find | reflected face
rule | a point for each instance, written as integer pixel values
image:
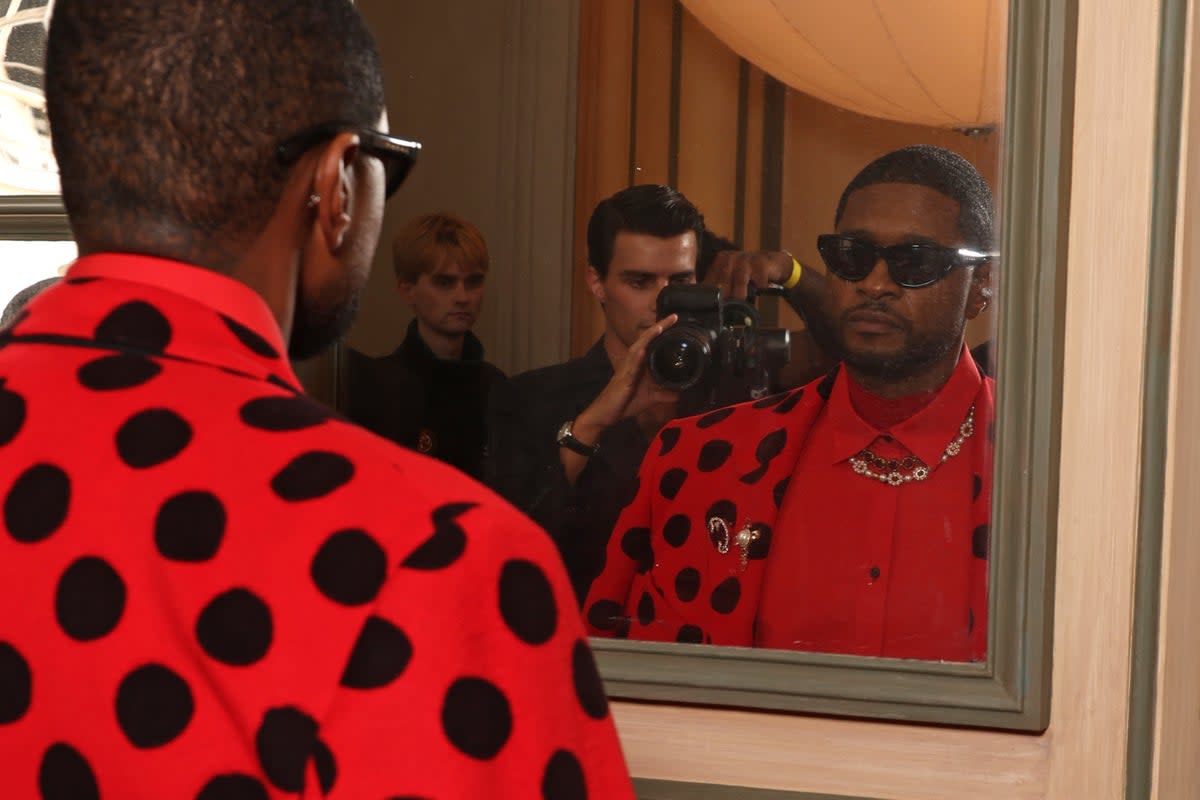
(884, 329)
(331, 282)
(446, 301)
(641, 266)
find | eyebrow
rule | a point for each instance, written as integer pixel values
(629, 274)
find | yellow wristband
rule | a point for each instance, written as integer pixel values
(797, 271)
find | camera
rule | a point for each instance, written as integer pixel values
(717, 347)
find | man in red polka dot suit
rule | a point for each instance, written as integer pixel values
(210, 587)
(850, 515)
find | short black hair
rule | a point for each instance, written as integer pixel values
(943, 171)
(168, 113)
(650, 208)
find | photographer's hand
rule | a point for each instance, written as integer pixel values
(630, 393)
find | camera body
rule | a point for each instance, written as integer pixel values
(717, 347)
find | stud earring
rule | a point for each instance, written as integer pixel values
(313, 201)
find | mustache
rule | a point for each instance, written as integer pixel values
(876, 308)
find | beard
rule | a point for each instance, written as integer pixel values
(322, 319)
(915, 354)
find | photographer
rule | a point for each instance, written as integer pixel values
(565, 441)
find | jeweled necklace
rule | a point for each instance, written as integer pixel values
(896, 472)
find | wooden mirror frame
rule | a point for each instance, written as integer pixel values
(1011, 690)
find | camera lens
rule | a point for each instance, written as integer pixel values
(679, 358)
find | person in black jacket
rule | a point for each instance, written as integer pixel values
(430, 393)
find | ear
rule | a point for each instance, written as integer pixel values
(595, 283)
(979, 295)
(334, 183)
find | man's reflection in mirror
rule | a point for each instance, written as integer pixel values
(430, 393)
(850, 515)
(566, 440)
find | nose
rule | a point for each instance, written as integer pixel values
(879, 281)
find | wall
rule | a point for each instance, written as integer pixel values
(489, 89)
(1083, 753)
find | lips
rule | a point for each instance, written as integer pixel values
(874, 321)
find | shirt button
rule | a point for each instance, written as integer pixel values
(874, 573)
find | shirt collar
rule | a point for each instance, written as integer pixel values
(925, 434)
(218, 320)
(417, 349)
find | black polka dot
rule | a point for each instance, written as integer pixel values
(350, 568)
(190, 526)
(825, 387)
(12, 414)
(234, 786)
(713, 417)
(37, 503)
(89, 600)
(780, 491)
(563, 778)
(235, 628)
(527, 602)
(979, 541)
(65, 774)
(326, 766)
(112, 373)
(725, 597)
(605, 615)
(768, 449)
(677, 529)
(791, 402)
(687, 584)
(635, 543)
(771, 400)
(588, 688)
(78, 281)
(312, 475)
(380, 655)
(645, 609)
(976, 487)
(16, 684)
(284, 741)
(668, 438)
(291, 413)
(713, 455)
(251, 340)
(671, 482)
(135, 324)
(154, 705)
(476, 718)
(689, 634)
(447, 543)
(152, 437)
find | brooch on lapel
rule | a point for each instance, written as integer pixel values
(718, 532)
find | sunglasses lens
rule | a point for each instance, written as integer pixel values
(850, 259)
(918, 265)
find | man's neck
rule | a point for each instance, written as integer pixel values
(614, 348)
(443, 346)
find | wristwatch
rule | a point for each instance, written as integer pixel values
(567, 439)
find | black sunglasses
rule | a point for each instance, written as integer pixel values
(910, 265)
(397, 155)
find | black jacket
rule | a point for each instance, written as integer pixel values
(423, 402)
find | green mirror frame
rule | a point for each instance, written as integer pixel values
(1012, 690)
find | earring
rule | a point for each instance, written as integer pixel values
(313, 201)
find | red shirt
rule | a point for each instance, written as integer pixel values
(861, 567)
(210, 586)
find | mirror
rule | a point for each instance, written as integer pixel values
(561, 104)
